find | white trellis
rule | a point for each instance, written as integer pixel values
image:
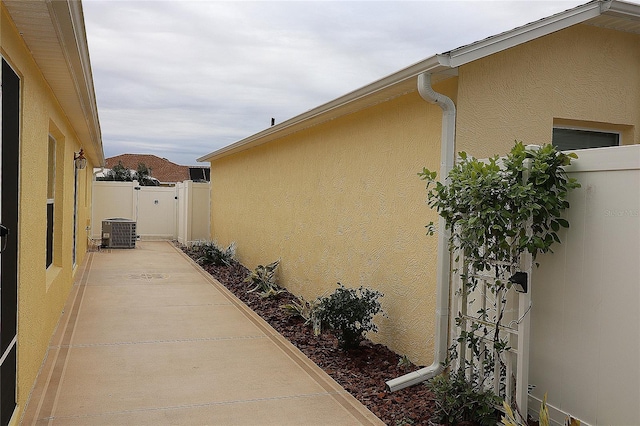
(480, 311)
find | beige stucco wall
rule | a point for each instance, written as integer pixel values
(342, 202)
(42, 292)
(583, 76)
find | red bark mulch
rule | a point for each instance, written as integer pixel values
(362, 372)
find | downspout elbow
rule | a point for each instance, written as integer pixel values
(447, 139)
(428, 94)
(415, 377)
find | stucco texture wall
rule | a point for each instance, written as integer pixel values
(342, 202)
(583, 76)
(42, 292)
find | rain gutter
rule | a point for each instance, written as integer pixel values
(447, 152)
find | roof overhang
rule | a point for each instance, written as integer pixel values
(617, 15)
(54, 32)
(613, 14)
(384, 89)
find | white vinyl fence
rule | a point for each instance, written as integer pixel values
(166, 213)
(585, 317)
(194, 220)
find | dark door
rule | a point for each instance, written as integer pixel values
(9, 148)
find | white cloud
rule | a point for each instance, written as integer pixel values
(180, 79)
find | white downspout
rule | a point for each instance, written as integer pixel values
(444, 257)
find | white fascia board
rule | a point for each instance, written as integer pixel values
(436, 63)
(622, 9)
(520, 35)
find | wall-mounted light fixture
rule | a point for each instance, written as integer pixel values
(79, 159)
(519, 281)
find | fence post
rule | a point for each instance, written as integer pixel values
(524, 320)
(188, 191)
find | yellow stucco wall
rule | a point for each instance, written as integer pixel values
(342, 202)
(582, 76)
(42, 292)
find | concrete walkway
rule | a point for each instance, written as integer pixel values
(147, 338)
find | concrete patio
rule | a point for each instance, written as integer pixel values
(148, 338)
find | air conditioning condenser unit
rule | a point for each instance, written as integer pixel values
(119, 233)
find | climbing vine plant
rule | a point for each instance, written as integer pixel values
(496, 210)
(488, 205)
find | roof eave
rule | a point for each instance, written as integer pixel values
(445, 65)
(524, 34)
(331, 109)
(73, 37)
(67, 68)
(622, 9)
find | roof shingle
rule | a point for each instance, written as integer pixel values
(161, 168)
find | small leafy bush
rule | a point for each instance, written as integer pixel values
(349, 312)
(307, 310)
(263, 280)
(211, 254)
(458, 399)
(404, 362)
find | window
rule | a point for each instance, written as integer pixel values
(51, 192)
(569, 139)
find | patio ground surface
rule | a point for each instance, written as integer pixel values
(148, 338)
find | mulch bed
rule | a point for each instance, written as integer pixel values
(362, 372)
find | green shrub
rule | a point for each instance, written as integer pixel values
(458, 399)
(211, 254)
(307, 310)
(263, 279)
(349, 312)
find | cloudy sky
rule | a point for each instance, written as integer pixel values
(180, 79)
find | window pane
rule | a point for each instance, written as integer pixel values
(51, 180)
(49, 234)
(51, 192)
(570, 139)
